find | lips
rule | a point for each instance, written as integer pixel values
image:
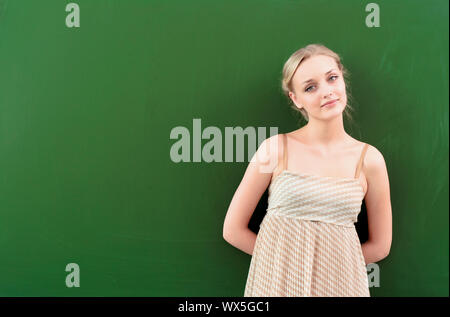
(331, 101)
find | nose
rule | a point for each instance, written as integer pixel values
(328, 95)
(327, 92)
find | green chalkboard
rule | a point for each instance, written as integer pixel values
(88, 103)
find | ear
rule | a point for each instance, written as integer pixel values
(294, 100)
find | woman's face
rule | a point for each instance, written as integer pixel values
(327, 84)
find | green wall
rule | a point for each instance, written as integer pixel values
(86, 114)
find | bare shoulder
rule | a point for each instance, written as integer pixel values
(373, 160)
(274, 144)
(270, 151)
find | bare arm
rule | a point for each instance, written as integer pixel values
(256, 179)
(379, 211)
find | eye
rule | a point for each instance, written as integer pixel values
(307, 89)
(334, 76)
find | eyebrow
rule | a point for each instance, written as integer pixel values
(310, 80)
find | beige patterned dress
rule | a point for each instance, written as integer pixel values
(307, 244)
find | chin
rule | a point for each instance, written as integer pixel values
(335, 112)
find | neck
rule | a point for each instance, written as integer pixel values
(326, 134)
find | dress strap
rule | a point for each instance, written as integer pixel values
(361, 160)
(284, 152)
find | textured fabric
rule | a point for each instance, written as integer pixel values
(307, 244)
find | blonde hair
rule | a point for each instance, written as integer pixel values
(294, 62)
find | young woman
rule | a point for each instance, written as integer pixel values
(307, 244)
